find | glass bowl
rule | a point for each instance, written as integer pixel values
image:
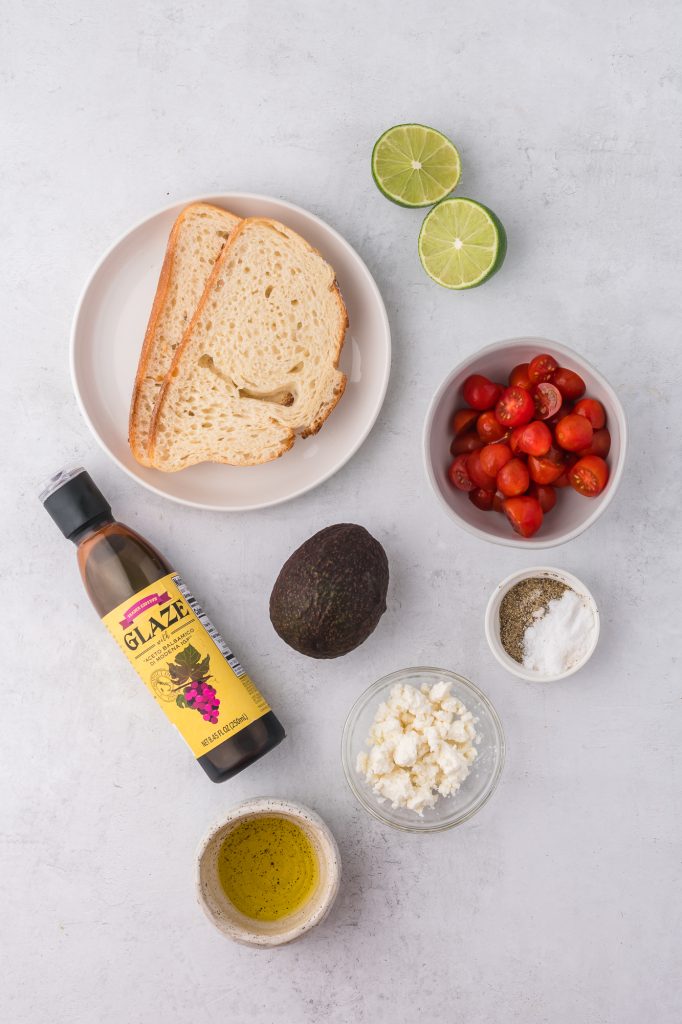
(483, 776)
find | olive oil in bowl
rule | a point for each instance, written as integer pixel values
(268, 873)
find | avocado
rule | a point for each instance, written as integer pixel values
(331, 593)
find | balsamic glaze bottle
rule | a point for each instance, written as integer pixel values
(164, 632)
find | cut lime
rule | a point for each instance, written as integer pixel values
(414, 165)
(461, 243)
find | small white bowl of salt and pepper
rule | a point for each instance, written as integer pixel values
(542, 624)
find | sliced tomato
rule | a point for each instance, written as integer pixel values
(536, 439)
(547, 400)
(513, 478)
(465, 443)
(570, 384)
(480, 393)
(573, 433)
(459, 475)
(482, 499)
(515, 407)
(519, 378)
(541, 368)
(463, 421)
(494, 457)
(489, 428)
(545, 469)
(592, 410)
(524, 514)
(478, 474)
(546, 496)
(601, 443)
(515, 439)
(589, 476)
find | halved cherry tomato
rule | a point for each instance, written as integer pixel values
(541, 368)
(463, 421)
(480, 393)
(545, 469)
(465, 443)
(574, 433)
(601, 444)
(570, 384)
(515, 407)
(545, 495)
(589, 476)
(536, 439)
(592, 410)
(459, 476)
(482, 499)
(498, 501)
(525, 514)
(478, 474)
(547, 400)
(489, 428)
(519, 378)
(515, 439)
(513, 478)
(494, 457)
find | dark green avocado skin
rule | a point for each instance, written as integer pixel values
(331, 593)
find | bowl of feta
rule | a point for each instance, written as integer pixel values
(423, 749)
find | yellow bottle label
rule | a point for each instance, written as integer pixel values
(185, 663)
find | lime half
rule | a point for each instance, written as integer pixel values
(414, 165)
(461, 243)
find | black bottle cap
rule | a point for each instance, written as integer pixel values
(74, 501)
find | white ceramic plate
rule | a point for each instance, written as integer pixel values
(106, 339)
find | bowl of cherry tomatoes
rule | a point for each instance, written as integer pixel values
(524, 443)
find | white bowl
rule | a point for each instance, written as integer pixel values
(225, 916)
(492, 621)
(573, 513)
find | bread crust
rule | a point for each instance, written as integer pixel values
(179, 352)
(139, 443)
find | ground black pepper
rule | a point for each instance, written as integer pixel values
(519, 607)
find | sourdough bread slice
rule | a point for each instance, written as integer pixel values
(195, 242)
(259, 362)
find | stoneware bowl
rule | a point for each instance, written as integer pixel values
(492, 621)
(573, 513)
(236, 925)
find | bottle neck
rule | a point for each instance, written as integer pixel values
(89, 529)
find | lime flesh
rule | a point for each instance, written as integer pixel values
(461, 243)
(414, 165)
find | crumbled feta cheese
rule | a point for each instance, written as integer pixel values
(421, 745)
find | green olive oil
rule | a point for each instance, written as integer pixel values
(268, 867)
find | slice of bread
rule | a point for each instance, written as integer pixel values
(259, 362)
(195, 242)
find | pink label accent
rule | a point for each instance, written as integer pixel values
(130, 614)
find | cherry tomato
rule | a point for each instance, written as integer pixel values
(574, 433)
(466, 443)
(498, 501)
(515, 439)
(547, 400)
(494, 457)
(463, 421)
(601, 444)
(515, 407)
(482, 499)
(519, 378)
(570, 384)
(536, 439)
(489, 428)
(541, 368)
(459, 476)
(525, 514)
(545, 469)
(546, 496)
(478, 474)
(589, 476)
(480, 393)
(592, 410)
(513, 478)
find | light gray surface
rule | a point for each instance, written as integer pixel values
(559, 903)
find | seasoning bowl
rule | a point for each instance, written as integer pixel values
(475, 790)
(573, 513)
(225, 916)
(492, 621)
